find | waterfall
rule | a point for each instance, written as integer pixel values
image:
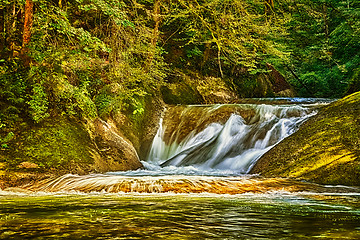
(201, 149)
(223, 137)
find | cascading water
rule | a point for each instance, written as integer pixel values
(163, 200)
(229, 145)
(201, 149)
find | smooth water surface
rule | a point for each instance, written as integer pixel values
(178, 216)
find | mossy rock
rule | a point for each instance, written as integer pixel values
(326, 149)
(181, 93)
(54, 144)
(60, 146)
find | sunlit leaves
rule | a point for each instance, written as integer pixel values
(237, 30)
(38, 103)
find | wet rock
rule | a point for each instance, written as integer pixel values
(154, 111)
(115, 152)
(326, 149)
(181, 120)
(279, 85)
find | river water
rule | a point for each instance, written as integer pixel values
(195, 185)
(276, 215)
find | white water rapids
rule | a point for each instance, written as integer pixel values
(202, 149)
(229, 148)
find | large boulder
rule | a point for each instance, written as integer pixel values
(114, 151)
(326, 149)
(62, 145)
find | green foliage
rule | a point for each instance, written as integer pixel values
(5, 140)
(9, 136)
(84, 102)
(225, 34)
(90, 58)
(325, 38)
(354, 85)
(13, 91)
(194, 52)
(38, 104)
(12, 82)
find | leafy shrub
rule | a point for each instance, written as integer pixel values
(38, 104)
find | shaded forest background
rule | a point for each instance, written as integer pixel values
(89, 58)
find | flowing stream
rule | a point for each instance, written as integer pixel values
(195, 185)
(227, 139)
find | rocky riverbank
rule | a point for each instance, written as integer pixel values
(325, 150)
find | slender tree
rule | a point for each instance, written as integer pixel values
(29, 8)
(157, 20)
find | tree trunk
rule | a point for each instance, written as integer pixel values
(300, 81)
(269, 5)
(14, 16)
(154, 39)
(326, 22)
(2, 30)
(10, 29)
(157, 19)
(29, 5)
(219, 62)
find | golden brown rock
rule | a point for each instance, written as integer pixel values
(325, 150)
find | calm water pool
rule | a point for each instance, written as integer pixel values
(179, 216)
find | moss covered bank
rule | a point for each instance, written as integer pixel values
(64, 145)
(325, 150)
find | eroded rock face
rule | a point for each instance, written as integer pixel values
(154, 111)
(181, 120)
(279, 85)
(326, 149)
(115, 152)
(198, 89)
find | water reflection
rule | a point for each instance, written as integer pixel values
(246, 216)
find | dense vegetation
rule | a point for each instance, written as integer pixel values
(89, 58)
